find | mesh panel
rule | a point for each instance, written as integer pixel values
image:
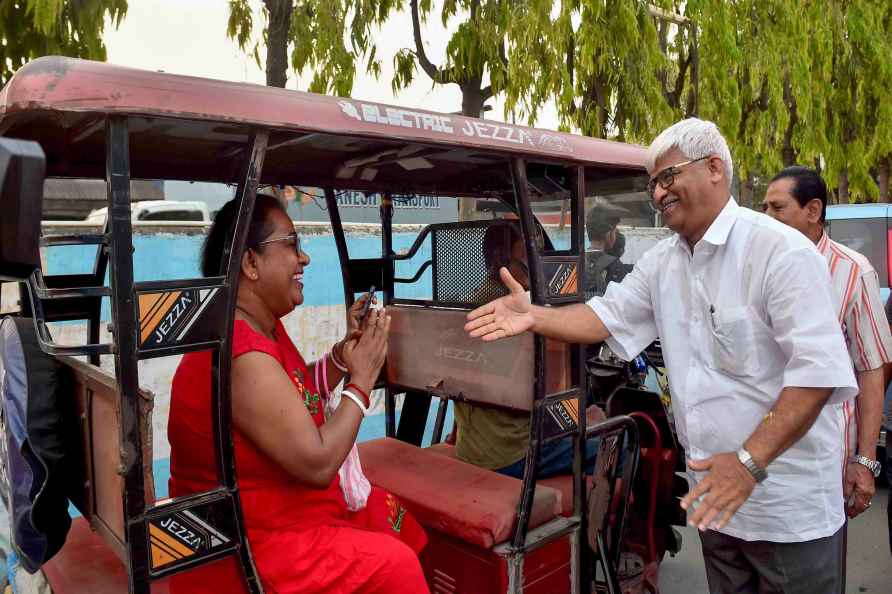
(461, 267)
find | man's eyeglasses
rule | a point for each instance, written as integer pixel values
(666, 177)
(293, 239)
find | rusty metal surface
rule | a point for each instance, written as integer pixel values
(194, 129)
(99, 403)
(60, 84)
(428, 349)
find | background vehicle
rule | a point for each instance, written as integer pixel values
(159, 210)
(867, 228)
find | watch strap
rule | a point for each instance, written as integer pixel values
(758, 474)
(874, 466)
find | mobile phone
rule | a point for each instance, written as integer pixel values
(368, 304)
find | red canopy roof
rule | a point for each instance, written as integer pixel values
(62, 101)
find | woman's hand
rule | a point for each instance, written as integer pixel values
(354, 315)
(355, 312)
(364, 354)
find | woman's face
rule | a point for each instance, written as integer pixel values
(280, 267)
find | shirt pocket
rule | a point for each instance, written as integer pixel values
(733, 340)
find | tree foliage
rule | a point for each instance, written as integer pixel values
(34, 28)
(326, 37)
(787, 81)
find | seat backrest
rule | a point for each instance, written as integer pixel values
(99, 405)
(429, 350)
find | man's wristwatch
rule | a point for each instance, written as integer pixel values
(873, 466)
(758, 474)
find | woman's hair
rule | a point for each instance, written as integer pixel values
(497, 243)
(224, 225)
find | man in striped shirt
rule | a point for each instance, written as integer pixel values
(797, 196)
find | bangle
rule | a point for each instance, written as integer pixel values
(335, 361)
(357, 390)
(325, 377)
(349, 394)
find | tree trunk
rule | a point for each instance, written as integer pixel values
(843, 193)
(746, 191)
(788, 153)
(472, 101)
(883, 167)
(277, 45)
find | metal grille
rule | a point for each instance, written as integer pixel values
(461, 275)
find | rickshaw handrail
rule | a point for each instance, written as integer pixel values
(206, 282)
(86, 239)
(36, 288)
(416, 245)
(427, 264)
(43, 292)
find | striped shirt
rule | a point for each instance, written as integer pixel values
(862, 315)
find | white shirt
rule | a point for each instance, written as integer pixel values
(747, 314)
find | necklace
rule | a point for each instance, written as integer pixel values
(253, 319)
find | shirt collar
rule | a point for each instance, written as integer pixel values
(720, 228)
(822, 243)
(718, 231)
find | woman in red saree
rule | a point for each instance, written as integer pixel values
(303, 536)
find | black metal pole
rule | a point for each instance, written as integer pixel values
(386, 212)
(537, 293)
(337, 229)
(580, 510)
(221, 382)
(126, 328)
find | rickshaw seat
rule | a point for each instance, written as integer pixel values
(562, 483)
(472, 504)
(87, 564)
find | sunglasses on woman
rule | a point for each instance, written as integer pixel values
(292, 238)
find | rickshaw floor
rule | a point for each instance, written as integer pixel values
(87, 564)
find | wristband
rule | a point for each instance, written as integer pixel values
(357, 390)
(356, 400)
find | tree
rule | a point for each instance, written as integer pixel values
(34, 28)
(607, 66)
(316, 31)
(477, 53)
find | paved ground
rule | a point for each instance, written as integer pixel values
(869, 561)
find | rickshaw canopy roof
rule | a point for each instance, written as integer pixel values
(192, 128)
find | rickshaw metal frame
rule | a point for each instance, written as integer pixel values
(115, 249)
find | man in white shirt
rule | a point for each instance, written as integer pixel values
(744, 309)
(797, 196)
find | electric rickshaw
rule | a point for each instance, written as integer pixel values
(75, 432)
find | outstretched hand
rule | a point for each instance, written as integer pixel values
(506, 316)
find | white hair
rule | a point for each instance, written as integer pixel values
(695, 139)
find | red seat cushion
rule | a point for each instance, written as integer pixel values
(563, 483)
(86, 564)
(475, 505)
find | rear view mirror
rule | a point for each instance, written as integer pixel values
(22, 170)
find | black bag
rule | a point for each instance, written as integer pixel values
(598, 264)
(40, 453)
